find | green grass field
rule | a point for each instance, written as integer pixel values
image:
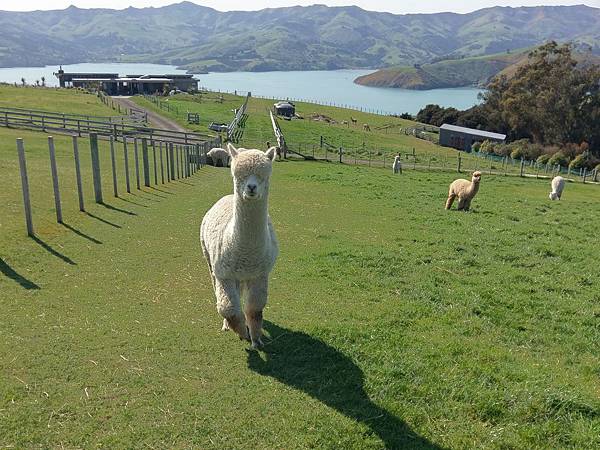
(391, 323)
(386, 139)
(71, 101)
(421, 326)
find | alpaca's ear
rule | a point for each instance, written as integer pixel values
(271, 153)
(232, 150)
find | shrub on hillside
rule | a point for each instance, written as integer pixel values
(558, 158)
(543, 159)
(476, 147)
(578, 162)
(488, 147)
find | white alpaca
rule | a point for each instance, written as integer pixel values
(219, 154)
(397, 166)
(558, 185)
(239, 244)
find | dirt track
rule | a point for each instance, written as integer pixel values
(155, 119)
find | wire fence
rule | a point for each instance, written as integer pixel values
(442, 160)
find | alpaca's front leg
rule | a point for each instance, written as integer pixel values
(228, 305)
(257, 299)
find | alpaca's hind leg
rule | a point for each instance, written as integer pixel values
(450, 200)
(253, 308)
(207, 257)
(228, 305)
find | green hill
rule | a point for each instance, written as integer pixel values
(444, 74)
(295, 38)
(476, 71)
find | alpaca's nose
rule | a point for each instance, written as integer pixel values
(252, 188)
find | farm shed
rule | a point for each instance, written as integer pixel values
(463, 138)
(285, 109)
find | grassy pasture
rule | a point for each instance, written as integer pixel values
(304, 132)
(381, 144)
(391, 322)
(70, 101)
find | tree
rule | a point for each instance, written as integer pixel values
(44, 81)
(550, 100)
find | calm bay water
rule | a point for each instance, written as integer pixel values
(327, 87)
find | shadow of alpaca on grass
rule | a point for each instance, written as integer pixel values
(310, 365)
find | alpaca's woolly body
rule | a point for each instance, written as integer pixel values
(397, 166)
(558, 185)
(465, 190)
(239, 244)
(219, 154)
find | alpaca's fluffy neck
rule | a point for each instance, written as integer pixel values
(473, 188)
(250, 219)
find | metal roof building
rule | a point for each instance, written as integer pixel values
(112, 84)
(463, 138)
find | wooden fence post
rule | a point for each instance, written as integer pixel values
(137, 162)
(458, 164)
(96, 167)
(54, 172)
(78, 174)
(145, 162)
(584, 174)
(154, 158)
(162, 166)
(172, 160)
(126, 157)
(113, 163)
(522, 166)
(25, 186)
(596, 174)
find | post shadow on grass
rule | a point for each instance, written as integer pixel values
(13, 275)
(132, 202)
(81, 233)
(52, 251)
(114, 208)
(311, 366)
(162, 190)
(100, 219)
(155, 194)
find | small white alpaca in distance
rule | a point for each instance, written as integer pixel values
(558, 185)
(239, 244)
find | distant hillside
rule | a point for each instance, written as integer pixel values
(297, 38)
(444, 74)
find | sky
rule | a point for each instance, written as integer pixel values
(394, 6)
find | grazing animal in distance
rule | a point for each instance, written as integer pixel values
(354, 121)
(397, 165)
(345, 122)
(239, 244)
(219, 155)
(465, 190)
(366, 127)
(558, 186)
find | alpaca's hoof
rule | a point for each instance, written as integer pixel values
(257, 344)
(226, 326)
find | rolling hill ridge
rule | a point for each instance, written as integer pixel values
(317, 37)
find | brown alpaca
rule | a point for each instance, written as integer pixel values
(354, 121)
(366, 127)
(465, 191)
